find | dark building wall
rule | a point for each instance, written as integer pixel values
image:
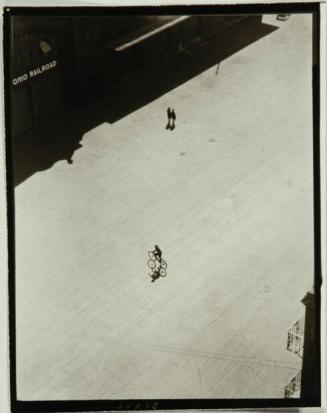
(93, 55)
(88, 45)
(83, 65)
(142, 49)
(310, 380)
(38, 74)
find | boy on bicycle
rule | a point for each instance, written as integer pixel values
(157, 252)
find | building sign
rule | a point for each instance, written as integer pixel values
(34, 73)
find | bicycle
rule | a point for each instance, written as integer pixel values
(154, 260)
(157, 265)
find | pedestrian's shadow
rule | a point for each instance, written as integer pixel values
(172, 127)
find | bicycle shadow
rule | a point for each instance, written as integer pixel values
(154, 277)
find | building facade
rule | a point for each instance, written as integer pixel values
(60, 61)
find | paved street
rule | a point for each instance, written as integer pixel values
(227, 196)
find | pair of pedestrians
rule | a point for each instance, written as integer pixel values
(171, 119)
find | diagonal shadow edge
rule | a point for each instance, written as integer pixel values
(40, 149)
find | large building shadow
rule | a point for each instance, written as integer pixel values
(41, 148)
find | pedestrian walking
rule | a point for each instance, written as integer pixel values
(169, 118)
(173, 117)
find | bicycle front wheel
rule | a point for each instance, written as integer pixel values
(151, 255)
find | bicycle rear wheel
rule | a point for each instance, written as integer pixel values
(151, 264)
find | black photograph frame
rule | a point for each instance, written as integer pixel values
(21, 406)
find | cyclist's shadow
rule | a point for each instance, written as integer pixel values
(154, 277)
